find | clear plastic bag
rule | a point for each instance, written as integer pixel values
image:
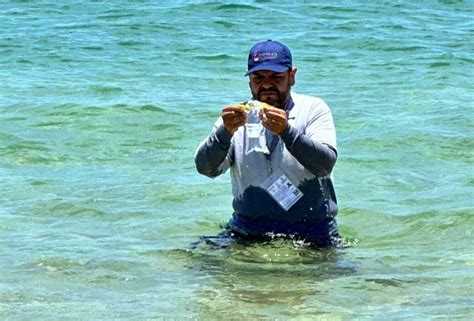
(255, 140)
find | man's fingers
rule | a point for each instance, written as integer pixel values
(234, 108)
(233, 117)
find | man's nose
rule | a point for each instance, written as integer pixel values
(267, 83)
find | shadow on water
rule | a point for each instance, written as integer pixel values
(262, 276)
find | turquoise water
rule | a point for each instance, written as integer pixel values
(103, 104)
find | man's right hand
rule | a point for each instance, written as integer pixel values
(233, 117)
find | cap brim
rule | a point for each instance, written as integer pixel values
(274, 68)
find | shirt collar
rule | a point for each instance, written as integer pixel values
(289, 104)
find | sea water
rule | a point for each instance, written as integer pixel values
(102, 105)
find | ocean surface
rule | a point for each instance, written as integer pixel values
(102, 105)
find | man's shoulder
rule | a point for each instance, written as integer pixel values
(307, 101)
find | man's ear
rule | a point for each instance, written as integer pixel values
(292, 75)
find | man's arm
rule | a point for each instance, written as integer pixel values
(213, 156)
(317, 157)
(315, 146)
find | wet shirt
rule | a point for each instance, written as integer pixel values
(300, 154)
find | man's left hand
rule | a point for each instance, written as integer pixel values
(274, 119)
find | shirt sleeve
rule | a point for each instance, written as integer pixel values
(213, 156)
(315, 146)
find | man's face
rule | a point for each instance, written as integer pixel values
(271, 87)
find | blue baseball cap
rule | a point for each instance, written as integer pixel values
(269, 55)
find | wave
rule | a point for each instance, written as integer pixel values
(236, 7)
(215, 57)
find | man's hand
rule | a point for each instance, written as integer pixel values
(274, 119)
(233, 117)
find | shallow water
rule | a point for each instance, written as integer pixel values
(103, 104)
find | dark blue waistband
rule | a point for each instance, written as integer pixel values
(310, 231)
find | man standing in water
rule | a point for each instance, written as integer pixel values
(285, 190)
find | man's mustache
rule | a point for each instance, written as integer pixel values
(271, 90)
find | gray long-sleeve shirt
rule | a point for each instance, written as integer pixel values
(305, 153)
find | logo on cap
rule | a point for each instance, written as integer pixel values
(264, 55)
